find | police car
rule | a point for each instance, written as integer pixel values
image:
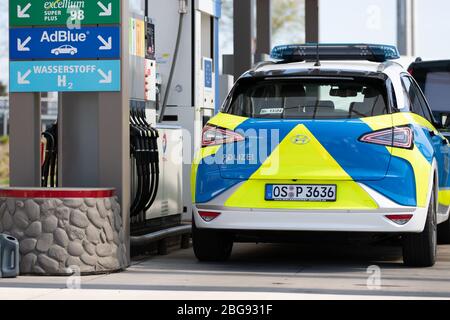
(326, 138)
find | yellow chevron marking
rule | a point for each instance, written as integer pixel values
(227, 121)
(310, 163)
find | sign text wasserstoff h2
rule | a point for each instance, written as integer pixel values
(63, 12)
(64, 76)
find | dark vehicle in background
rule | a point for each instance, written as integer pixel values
(433, 78)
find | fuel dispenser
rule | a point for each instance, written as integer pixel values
(171, 80)
(156, 179)
(187, 58)
(155, 174)
(100, 113)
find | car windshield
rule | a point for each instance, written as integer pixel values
(308, 98)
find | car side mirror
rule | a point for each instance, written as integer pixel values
(441, 122)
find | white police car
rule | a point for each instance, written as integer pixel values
(326, 138)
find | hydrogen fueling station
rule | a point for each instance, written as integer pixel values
(184, 159)
(103, 65)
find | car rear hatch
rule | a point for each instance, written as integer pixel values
(307, 150)
(309, 130)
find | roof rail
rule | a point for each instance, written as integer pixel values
(262, 64)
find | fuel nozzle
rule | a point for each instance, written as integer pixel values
(182, 6)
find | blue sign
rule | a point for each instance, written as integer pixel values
(64, 76)
(64, 43)
(208, 70)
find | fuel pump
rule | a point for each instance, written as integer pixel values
(155, 178)
(187, 57)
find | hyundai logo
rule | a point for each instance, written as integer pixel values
(300, 139)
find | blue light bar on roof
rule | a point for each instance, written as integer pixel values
(310, 52)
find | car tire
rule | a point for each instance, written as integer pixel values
(56, 53)
(211, 245)
(72, 53)
(420, 249)
(444, 232)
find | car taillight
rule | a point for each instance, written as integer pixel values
(208, 215)
(401, 137)
(400, 219)
(215, 136)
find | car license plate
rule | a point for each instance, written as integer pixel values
(296, 192)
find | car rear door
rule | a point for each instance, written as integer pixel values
(433, 79)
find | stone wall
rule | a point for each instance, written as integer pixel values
(56, 234)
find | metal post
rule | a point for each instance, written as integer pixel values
(402, 23)
(25, 137)
(5, 123)
(411, 27)
(263, 28)
(312, 20)
(95, 135)
(243, 36)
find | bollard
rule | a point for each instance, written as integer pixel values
(9, 256)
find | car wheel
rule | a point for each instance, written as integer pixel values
(420, 249)
(56, 53)
(444, 232)
(72, 53)
(211, 245)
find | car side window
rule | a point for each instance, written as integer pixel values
(406, 98)
(423, 102)
(412, 96)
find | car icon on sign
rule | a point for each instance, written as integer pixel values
(65, 49)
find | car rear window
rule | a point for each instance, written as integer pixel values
(308, 98)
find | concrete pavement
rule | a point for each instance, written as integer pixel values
(255, 271)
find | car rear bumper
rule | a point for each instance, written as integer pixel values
(301, 219)
(311, 220)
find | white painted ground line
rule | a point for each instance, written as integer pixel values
(92, 294)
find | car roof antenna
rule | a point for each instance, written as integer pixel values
(317, 64)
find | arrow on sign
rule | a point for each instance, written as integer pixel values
(23, 79)
(107, 78)
(21, 46)
(107, 11)
(22, 13)
(107, 45)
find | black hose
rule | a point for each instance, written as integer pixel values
(54, 157)
(143, 148)
(45, 170)
(49, 166)
(155, 171)
(137, 154)
(172, 68)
